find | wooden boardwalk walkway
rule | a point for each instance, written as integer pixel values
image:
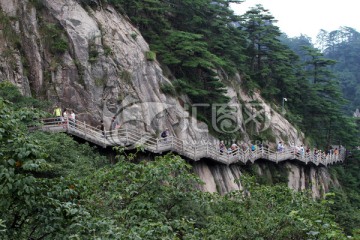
(131, 138)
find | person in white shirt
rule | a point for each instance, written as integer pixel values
(72, 118)
(280, 147)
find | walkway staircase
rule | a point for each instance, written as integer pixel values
(132, 138)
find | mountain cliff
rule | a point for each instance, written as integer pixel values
(94, 61)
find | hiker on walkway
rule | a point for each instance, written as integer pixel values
(57, 114)
(102, 128)
(65, 115)
(280, 147)
(234, 148)
(302, 150)
(165, 134)
(253, 147)
(315, 154)
(114, 126)
(72, 118)
(244, 147)
(222, 147)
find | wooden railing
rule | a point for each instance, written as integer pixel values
(131, 138)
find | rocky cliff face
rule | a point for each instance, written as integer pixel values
(91, 59)
(223, 179)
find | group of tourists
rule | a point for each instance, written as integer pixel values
(67, 116)
(316, 152)
(165, 134)
(234, 148)
(64, 116)
(298, 150)
(114, 125)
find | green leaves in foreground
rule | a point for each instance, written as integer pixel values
(159, 200)
(149, 200)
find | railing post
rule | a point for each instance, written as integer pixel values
(195, 152)
(157, 145)
(306, 158)
(67, 124)
(207, 149)
(104, 138)
(228, 156)
(126, 135)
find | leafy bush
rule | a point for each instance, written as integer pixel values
(150, 55)
(54, 38)
(134, 36)
(168, 88)
(93, 51)
(10, 92)
(126, 76)
(107, 50)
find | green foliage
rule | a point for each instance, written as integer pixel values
(150, 55)
(152, 199)
(100, 82)
(186, 49)
(8, 31)
(158, 200)
(126, 76)
(134, 36)
(268, 173)
(27, 202)
(270, 212)
(93, 51)
(11, 93)
(318, 95)
(68, 157)
(91, 3)
(35, 202)
(38, 4)
(267, 135)
(168, 88)
(187, 53)
(81, 72)
(347, 197)
(342, 45)
(107, 50)
(54, 37)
